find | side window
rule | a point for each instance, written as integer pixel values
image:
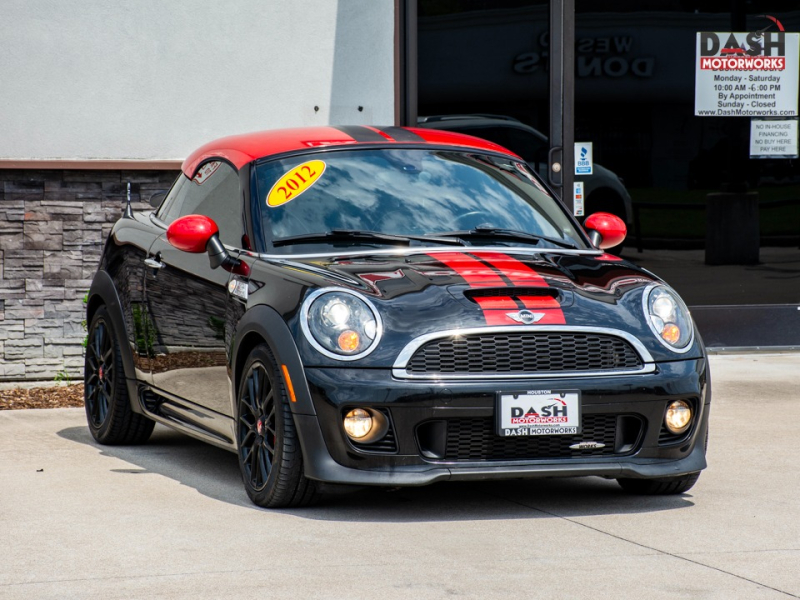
(214, 192)
(170, 209)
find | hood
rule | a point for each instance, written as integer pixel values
(423, 292)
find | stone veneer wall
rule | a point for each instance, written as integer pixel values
(53, 224)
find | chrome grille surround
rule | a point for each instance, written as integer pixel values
(400, 367)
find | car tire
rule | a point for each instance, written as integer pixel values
(270, 458)
(661, 486)
(105, 391)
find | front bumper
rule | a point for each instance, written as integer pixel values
(330, 457)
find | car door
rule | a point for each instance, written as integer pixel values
(187, 300)
(124, 261)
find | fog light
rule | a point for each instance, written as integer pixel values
(358, 423)
(678, 417)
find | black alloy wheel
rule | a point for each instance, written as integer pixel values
(108, 410)
(270, 458)
(257, 437)
(99, 374)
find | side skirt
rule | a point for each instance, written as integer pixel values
(189, 418)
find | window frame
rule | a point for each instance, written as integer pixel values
(262, 240)
(243, 176)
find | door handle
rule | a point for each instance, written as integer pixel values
(154, 263)
(554, 164)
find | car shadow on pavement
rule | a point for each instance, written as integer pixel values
(214, 473)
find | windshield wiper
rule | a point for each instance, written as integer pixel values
(345, 235)
(505, 233)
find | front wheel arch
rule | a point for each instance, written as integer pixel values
(246, 346)
(264, 323)
(269, 451)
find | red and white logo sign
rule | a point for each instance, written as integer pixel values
(539, 412)
(747, 74)
(206, 171)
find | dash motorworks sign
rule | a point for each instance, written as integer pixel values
(747, 74)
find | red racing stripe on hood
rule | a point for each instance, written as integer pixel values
(493, 269)
(479, 275)
(474, 272)
(496, 303)
(516, 271)
(521, 275)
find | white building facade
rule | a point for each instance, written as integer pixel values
(99, 96)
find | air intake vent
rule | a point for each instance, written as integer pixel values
(511, 292)
(474, 439)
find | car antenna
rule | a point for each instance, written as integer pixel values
(128, 214)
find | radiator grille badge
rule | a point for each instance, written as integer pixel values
(587, 446)
(525, 317)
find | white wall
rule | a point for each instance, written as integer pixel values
(154, 79)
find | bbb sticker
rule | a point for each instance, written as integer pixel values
(295, 182)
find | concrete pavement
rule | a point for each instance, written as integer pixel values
(171, 520)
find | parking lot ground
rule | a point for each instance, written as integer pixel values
(170, 520)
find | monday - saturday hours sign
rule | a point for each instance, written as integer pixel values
(746, 74)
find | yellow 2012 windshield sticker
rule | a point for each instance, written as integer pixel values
(295, 182)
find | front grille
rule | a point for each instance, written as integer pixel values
(474, 439)
(524, 352)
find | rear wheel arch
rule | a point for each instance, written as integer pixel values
(103, 292)
(109, 410)
(94, 302)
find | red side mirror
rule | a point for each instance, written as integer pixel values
(605, 230)
(191, 233)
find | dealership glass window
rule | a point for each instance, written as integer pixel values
(634, 99)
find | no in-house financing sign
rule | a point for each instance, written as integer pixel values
(746, 74)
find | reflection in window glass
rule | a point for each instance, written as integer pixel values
(214, 192)
(413, 192)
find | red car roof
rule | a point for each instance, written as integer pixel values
(241, 149)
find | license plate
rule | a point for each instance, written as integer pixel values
(539, 412)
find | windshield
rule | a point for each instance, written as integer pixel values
(315, 202)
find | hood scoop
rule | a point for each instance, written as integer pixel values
(528, 297)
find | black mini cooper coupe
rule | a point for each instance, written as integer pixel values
(390, 307)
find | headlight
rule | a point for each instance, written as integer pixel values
(340, 323)
(668, 317)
